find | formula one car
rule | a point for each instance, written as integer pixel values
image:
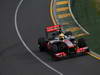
(60, 44)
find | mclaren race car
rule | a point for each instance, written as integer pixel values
(60, 44)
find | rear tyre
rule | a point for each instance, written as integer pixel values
(81, 43)
(41, 43)
(68, 33)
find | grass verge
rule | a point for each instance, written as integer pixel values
(87, 12)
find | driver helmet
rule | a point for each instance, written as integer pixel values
(61, 36)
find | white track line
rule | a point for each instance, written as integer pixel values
(69, 5)
(53, 17)
(25, 45)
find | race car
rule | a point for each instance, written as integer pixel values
(60, 44)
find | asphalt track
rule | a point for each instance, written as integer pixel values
(33, 15)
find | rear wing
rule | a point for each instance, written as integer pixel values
(53, 28)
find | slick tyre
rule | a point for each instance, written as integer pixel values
(68, 33)
(41, 42)
(81, 43)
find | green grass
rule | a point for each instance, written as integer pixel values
(87, 12)
(97, 4)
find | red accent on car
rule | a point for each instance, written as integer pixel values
(80, 50)
(61, 54)
(53, 28)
